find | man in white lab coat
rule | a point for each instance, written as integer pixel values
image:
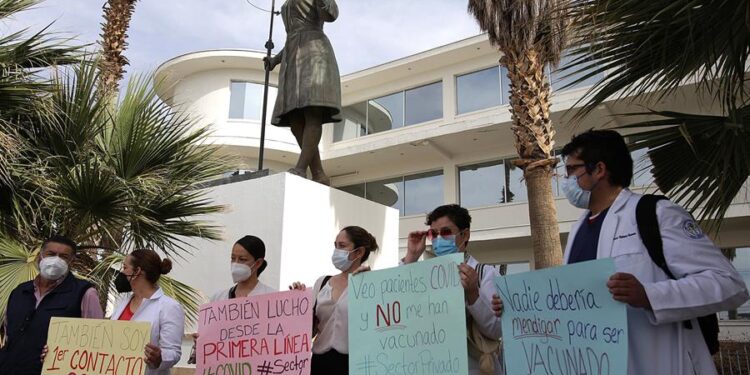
(599, 170)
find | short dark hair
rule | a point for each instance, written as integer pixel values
(455, 213)
(606, 146)
(58, 238)
(361, 238)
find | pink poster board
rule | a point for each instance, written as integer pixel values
(266, 334)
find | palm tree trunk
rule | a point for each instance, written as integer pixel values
(530, 110)
(117, 15)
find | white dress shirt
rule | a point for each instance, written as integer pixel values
(333, 320)
(167, 326)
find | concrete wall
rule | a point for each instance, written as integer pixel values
(298, 221)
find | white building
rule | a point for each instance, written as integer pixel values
(421, 131)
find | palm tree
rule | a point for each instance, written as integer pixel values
(22, 56)
(530, 34)
(95, 173)
(117, 15)
(648, 49)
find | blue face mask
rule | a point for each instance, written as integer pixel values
(444, 246)
(576, 195)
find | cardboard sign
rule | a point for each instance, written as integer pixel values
(563, 320)
(408, 320)
(266, 334)
(94, 346)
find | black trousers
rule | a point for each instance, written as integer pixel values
(330, 363)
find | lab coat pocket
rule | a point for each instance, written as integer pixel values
(628, 254)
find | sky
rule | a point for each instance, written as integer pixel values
(367, 33)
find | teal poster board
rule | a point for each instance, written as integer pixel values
(409, 319)
(563, 320)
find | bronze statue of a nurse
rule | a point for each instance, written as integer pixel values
(309, 92)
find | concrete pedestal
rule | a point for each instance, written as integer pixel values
(298, 221)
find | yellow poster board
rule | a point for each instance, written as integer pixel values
(93, 347)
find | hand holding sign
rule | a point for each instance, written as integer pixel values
(404, 320)
(563, 319)
(153, 355)
(266, 334)
(627, 289)
(95, 347)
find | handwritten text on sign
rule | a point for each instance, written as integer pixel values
(563, 320)
(408, 320)
(266, 334)
(93, 347)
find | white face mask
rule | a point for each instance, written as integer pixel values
(53, 268)
(340, 260)
(241, 272)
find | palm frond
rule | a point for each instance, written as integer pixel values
(187, 296)
(21, 56)
(515, 26)
(17, 265)
(703, 161)
(650, 48)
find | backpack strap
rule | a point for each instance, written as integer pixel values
(648, 228)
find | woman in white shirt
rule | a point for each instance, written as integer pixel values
(330, 349)
(147, 303)
(247, 263)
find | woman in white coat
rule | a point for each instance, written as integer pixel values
(146, 302)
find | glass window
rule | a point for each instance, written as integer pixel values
(358, 189)
(478, 90)
(514, 268)
(387, 192)
(411, 195)
(424, 192)
(424, 103)
(516, 191)
(505, 84)
(641, 168)
(385, 113)
(559, 175)
(560, 78)
(353, 124)
(482, 184)
(246, 100)
(740, 258)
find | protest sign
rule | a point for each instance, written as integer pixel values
(408, 320)
(265, 334)
(94, 346)
(563, 320)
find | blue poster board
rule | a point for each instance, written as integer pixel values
(409, 319)
(563, 320)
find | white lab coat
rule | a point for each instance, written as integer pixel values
(659, 344)
(167, 326)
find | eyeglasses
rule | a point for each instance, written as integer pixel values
(444, 232)
(571, 169)
(50, 254)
